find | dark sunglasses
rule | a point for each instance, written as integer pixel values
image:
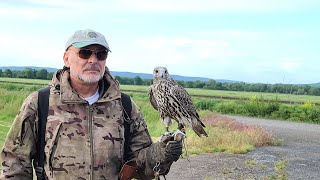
(86, 54)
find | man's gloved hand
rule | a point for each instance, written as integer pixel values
(162, 154)
(173, 150)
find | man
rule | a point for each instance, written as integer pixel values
(84, 136)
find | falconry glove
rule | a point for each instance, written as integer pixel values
(173, 150)
(162, 154)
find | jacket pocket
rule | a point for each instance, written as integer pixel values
(109, 147)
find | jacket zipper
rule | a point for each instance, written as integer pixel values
(54, 148)
(121, 134)
(91, 141)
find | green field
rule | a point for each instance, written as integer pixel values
(213, 94)
(14, 91)
(13, 94)
(218, 94)
(26, 81)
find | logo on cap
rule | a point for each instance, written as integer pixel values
(92, 34)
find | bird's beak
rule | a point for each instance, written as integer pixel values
(162, 75)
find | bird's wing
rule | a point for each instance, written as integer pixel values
(186, 102)
(184, 98)
(152, 99)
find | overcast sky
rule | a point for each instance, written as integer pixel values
(267, 41)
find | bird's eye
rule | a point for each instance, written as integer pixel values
(166, 71)
(156, 71)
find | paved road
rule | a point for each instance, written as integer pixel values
(300, 149)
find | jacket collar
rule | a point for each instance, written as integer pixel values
(108, 87)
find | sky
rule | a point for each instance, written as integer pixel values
(254, 41)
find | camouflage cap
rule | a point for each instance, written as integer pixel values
(82, 38)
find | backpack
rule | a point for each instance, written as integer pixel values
(43, 104)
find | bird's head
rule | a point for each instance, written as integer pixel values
(160, 73)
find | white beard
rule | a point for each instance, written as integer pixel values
(88, 78)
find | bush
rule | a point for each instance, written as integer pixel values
(207, 104)
(257, 106)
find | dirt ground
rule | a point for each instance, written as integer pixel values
(299, 154)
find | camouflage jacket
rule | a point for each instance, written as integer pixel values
(82, 141)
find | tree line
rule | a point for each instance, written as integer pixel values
(211, 84)
(239, 86)
(27, 73)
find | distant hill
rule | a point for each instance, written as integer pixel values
(175, 77)
(123, 74)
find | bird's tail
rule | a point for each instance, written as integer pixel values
(198, 128)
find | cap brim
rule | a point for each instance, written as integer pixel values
(84, 44)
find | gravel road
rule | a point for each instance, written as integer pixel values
(300, 150)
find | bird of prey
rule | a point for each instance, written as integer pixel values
(172, 101)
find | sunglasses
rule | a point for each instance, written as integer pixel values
(86, 54)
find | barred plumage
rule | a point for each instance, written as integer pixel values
(173, 102)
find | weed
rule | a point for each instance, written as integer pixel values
(251, 162)
(280, 171)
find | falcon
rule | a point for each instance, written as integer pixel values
(172, 101)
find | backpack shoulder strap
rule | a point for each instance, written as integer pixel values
(43, 104)
(126, 103)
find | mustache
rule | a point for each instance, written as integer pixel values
(94, 67)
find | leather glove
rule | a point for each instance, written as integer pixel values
(173, 144)
(173, 150)
(164, 153)
(161, 155)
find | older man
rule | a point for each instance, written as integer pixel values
(84, 134)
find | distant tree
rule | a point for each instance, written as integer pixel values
(189, 84)
(238, 86)
(147, 82)
(182, 83)
(278, 88)
(15, 74)
(127, 81)
(199, 84)
(300, 91)
(18, 74)
(307, 88)
(42, 74)
(314, 91)
(211, 84)
(50, 75)
(219, 86)
(137, 80)
(1, 72)
(118, 78)
(8, 73)
(28, 73)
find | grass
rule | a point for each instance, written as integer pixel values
(215, 94)
(225, 135)
(280, 169)
(220, 94)
(10, 102)
(22, 80)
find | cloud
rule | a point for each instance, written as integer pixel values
(290, 64)
(38, 9)
(187, 47)
(27, 49)
(214, 5)
(45, 10)
(277, 64)
(180, 54)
